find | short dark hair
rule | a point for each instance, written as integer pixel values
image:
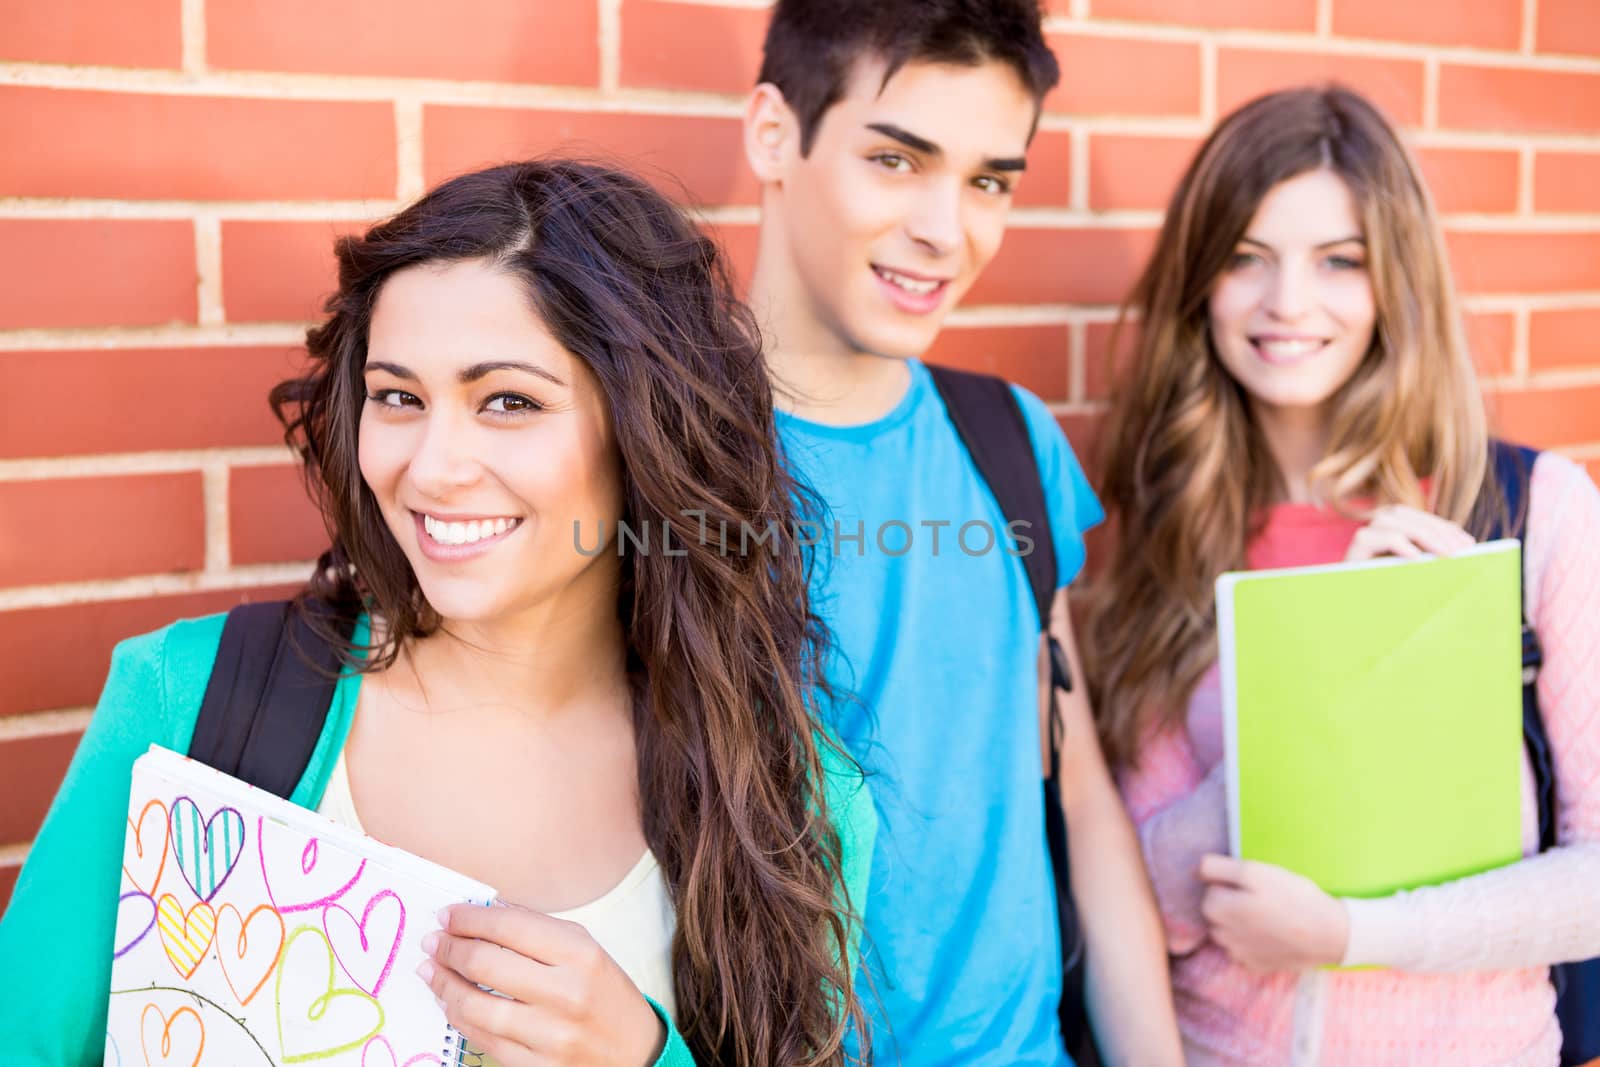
(812, 45)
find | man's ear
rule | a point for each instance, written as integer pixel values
(771, 134)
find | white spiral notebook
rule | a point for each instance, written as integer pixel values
(253, 931)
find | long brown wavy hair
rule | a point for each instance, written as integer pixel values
(1186, 472)
(724, 654)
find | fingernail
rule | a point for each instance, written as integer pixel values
(430, 942)
(425, 971)
(444, 917)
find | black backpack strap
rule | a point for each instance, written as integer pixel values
(990, 423)
(1513, 467)
(267, 699)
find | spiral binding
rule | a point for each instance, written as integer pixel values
(455, 1048)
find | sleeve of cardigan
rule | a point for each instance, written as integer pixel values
(56, 936)
(1180, 812)
(1489, 921)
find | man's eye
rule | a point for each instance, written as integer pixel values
(892, 161)
(991, 184)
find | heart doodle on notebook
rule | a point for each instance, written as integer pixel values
(316, 1019)
(248, 948)
(164, 1041)
(146, 844)
(389, 1059)
(136, 916)
(186, 937)
(206, 849)
(366, 949)
(298, 875)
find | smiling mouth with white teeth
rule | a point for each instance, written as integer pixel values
(1287, 349)
(467, 533)
(914, 286)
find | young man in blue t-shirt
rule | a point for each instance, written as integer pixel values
(888, 138)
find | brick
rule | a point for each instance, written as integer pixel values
(1547, 418)
(1240, 14)
(270, 517)
(56, 402)
(1480, 24)
(1394, 85)
(1491, 337)
(1118, 76)
(1133, 173)
(57, 657)
(1567, 26)
(674, 45)
(1102, 365)
(76, 529)
(1048, 182)
(34, 769)
(1525, 262)
(1469, 180)
(142, 271)
(1083, 431)
(1558, 340)
(279, 271)
(128, 33)
(470, 40)
(1069, 266)
(1566, 181)
(738, 244)
(704, 154)
(147, 146)
(8, 883)
(1034, 357)
(1523, 101)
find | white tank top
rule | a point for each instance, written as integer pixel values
(633, 921)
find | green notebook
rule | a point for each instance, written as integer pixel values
(1372, 718)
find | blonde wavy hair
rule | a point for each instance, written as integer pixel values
(1186, 472)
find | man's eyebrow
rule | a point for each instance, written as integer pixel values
(907, 138)
(468, 375)
(928, 148)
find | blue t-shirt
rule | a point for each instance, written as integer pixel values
(937, 641)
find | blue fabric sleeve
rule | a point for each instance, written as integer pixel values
(1072, 504)
(56, 936)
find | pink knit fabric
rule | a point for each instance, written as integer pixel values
(1468, 980)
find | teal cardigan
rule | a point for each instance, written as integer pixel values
(56, 936)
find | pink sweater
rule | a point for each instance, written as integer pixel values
(1468, 983)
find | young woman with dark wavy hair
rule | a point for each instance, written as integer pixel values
(524, 361)
(1300, 392)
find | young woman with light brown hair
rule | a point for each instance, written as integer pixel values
(1300, 392)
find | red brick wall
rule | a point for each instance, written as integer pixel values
(172, 173)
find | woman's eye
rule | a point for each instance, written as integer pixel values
(1242, 260)
(511, 403)
(1344, 263)
(394, 398)
(892, 161)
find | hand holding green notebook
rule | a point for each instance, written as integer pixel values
(1373, 718)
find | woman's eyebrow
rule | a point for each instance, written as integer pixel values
(468, 375)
